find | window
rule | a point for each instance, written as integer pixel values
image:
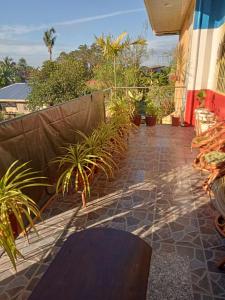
(221, 69)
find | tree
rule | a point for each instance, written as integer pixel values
(103, 75)
(8, 62)
(7, 71)
(150, 78)
(135, 54)
(90, 56)
(22, 63)
(22, 69)
(49, 40)
(111, 48)
(11, 72)
(56, 82)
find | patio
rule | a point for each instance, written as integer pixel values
(157, 195)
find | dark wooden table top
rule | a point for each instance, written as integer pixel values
(97, 264)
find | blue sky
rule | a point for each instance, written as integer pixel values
(23, 22)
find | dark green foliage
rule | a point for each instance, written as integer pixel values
(89, 56)
(57, 82)
(149, 78)
(12, 72)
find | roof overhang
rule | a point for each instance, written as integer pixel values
(167, 16)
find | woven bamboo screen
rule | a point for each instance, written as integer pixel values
(221, 70)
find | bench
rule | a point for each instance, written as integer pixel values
(97, 264)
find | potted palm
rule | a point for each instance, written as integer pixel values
(151, 113)
(16, 205)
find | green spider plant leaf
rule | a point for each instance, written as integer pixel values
(15, 203)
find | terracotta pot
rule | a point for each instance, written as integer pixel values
(185, 124)
(14, 224)
(150, 120)
(137, 120)
(175, 121)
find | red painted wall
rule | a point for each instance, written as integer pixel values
(215, 102)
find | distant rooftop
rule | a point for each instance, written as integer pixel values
(17, 91)
(157, 67)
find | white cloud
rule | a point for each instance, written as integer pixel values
(160, 50)
(34, 53)
(7, 31)
(163, 43)
(20, 48)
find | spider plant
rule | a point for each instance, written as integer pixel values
(15, 203)
(93, 152)
(7, 242)
(121, 105)
(97, 147)
(78, 166)
(122, 123)
(111, 139)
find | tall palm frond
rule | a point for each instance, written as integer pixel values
(49, 39)
(111, 48)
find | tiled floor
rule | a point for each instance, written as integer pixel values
(155, 194)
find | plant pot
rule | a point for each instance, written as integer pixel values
(150, 120)
(14, 224)
(175, 121)
(220, 225)
(137, 120)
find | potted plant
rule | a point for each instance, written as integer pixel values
(99, 145)
(204, 119)
(16, 205)
(151, 111)
(136, 97)
(123, 107)
(78, 166)
(94, 152)
(175, 120)
(201, 96)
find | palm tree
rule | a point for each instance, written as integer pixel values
(49, 40)
(8, 62)
(7, 71)
(111, 48)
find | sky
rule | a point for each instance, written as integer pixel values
(76, 22)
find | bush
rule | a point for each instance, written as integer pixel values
(163, 98)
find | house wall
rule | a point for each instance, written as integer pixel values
(183, 54)
(14, 107)
(184, 42)
(207, 35)
(22, 108)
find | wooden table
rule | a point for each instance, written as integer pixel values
(97, 264)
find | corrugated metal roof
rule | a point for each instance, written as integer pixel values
(17, 91)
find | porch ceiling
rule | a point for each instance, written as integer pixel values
(166, 16)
